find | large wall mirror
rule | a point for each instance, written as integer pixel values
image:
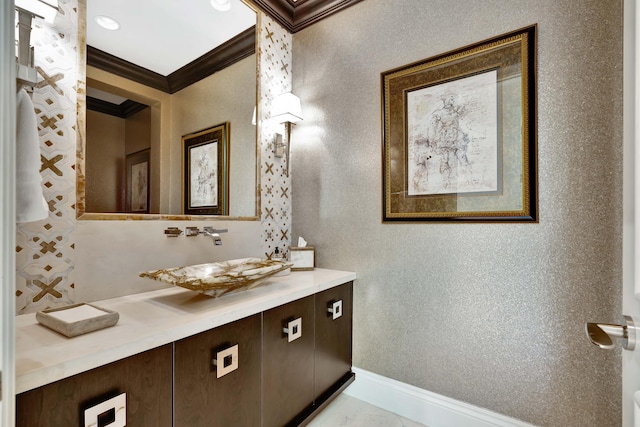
(193, 75)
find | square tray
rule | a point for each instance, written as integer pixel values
(77, 319)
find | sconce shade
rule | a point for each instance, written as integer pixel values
(46, 9)
(286, 108)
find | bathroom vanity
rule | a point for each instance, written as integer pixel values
(274, 355)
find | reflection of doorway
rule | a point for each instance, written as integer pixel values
(116, 128)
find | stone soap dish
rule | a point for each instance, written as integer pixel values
(77, 319)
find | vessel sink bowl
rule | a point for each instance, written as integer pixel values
(220, 278)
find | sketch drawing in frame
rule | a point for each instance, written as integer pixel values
(206, 171)
(459, 134)
(137, 189)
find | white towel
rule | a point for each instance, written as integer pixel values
(30, 202)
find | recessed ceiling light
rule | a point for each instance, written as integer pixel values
(222, 5)
(107, 23)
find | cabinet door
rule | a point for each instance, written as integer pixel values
(333, 337)
(287, 387)
(145, 378)
(226, 394)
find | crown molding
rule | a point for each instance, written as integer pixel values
(236, 49)
(114, 65)
(124, 110)
(296, 15)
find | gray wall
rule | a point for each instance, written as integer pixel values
(490, 314)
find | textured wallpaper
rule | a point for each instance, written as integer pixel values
(489, 314)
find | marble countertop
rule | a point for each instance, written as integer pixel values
(148, 320)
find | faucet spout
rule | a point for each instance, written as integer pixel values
(215, 237)
(217, 241)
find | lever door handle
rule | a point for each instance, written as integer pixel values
(603, 334)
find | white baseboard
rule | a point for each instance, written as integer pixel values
(423, 406)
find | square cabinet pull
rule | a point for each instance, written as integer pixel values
(226, 361)
(112, 411)
(335, 309)
(293, 330)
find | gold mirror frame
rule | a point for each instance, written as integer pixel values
(81, 140)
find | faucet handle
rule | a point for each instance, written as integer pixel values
(192, 231)
(173, 232)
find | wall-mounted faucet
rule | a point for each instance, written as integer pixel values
(195, 231)
(207, 231)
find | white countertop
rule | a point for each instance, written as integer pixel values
(148, 320)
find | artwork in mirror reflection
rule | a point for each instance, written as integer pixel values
(137, 167)
(206, 171)
(203, 179)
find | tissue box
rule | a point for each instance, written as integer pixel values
(303, 258)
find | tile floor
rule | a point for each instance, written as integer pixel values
(349, 411)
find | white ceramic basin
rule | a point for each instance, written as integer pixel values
(220, 278)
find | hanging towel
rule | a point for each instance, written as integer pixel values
(30, 202)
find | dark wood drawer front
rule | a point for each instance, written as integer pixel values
(203, 399)
(145, 378)
(333, 337)
(287, 374)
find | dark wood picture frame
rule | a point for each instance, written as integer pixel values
(205, 165)
(137, 193)
(459, 134)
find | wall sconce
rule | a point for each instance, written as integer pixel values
(45, 9)
(286, 109)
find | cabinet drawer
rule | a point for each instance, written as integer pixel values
(226, 393)
(287, 388)
(145, 378)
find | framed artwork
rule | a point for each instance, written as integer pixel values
(205, 161)
(137, 188)
(459, 134)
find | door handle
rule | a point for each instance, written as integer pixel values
(603, 334)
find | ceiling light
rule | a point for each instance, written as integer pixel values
(221, 5)
(107, 23)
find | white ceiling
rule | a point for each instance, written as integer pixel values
(164, 35)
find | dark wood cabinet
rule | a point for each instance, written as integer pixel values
(145, 378)
(287, 363)
(224, 395)
(333, 339)
(272, 369)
